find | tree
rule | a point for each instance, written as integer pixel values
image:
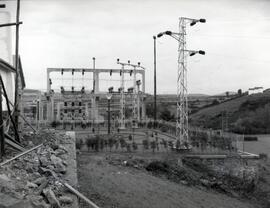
(134, 146)
(166, 115)
(116, 144)
(153, 145)
(165, 144)
(128, 147)
(239, 92)
(178, 144)
(110, 143)
(130, 137)
(122, 143)
(145, 144)
(101, 144)
(89, 143)
(170, 144)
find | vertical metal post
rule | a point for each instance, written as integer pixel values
(122, 112)
(94, 96)
(134, 100)
(109, 116)
(155, 84)
(17, 63)
(2, 137)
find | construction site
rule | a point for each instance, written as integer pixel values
(97, 137)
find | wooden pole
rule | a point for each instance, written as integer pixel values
(80, 195)
(2, 136)
(17, 137)
(17, 64)
(20, 155)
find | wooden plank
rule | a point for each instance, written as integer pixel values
(20, 155)
(12, 144)
(81, 196)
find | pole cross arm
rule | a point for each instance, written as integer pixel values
(10, 24)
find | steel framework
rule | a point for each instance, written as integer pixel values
(182, 91)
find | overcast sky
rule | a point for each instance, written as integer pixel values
(64, 33)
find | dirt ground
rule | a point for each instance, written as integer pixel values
(114, 185)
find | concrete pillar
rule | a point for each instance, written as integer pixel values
(96, 80)
(58, 111)
(143, 109)
(52, 109)
(86, 111)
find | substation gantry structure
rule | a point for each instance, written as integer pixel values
(93, 96)
(182, 90)
(134, 91)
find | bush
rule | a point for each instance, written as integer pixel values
(79, 144)
(134, 146)
(145, 144)
(153, 145)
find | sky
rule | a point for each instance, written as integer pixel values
(65, 33)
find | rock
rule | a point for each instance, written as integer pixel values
(40, 180)
(60, 168)
(55, 160)
(7, 201)
(31, 185)
(51, 198)
(48, 172)
(58, 164)
(205, 182)
(184, 182)
(38, 202)
(65, 199)
(55, 146)
(59, 152)
(6, 184)
(44, 161)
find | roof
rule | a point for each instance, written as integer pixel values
(6, 66)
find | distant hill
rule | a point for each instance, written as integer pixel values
(248, 114)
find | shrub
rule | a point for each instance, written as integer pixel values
(134, 146)
(153, 145)
(79, 144)
(145, 144)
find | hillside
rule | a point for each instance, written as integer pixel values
(247, 114)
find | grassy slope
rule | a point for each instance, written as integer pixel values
(252, 107)
(124, 187)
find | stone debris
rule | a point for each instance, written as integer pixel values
(65, 199)
(49, 194)
(33, 181)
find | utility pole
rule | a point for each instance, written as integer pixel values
(2, 137)
(93, 95)
(16, 106)
(155, 83)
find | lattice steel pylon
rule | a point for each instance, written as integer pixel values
(182, 90)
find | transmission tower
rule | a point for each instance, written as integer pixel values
(182, 92)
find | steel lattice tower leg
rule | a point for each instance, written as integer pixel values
(122, 101)
(134, 100)
(182, 100)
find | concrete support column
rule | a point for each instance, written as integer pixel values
(58, 111)
(143, 109)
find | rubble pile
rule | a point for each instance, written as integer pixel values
(36, 179)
